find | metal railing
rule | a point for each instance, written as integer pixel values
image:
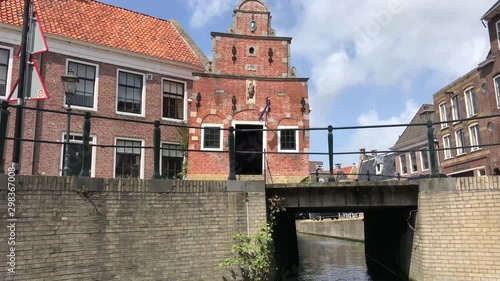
(158, 125)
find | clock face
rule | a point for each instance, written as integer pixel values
(253, 26)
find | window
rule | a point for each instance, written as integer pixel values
(128, 159)
(173, 100)
(470, 102)
(446, 146)
(172, 158)
(481, 173)
(413, 161)
(4, 71)
(455, 108)
(288, 139)
(402, 159)
(460, 141)
(378, 168)
(212, 137)
(443, 115)
(130, 92)
(424, 159)
(86, 92)
(475, 139)
(76, 154)
(498, 33)
(496, 80)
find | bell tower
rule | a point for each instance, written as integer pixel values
(252, 17)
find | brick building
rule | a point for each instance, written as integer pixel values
(122, 75)
(477, 93)
(250, 65)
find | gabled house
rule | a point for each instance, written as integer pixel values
(377, 167)
(250, 85)
(414, 139)
(132, 67)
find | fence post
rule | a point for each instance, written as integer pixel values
(4, 119)
(157, 140)
(232, 173)
(330, 153)
(368, 175)
(87, 150)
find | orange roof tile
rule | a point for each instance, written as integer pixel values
(103, 24)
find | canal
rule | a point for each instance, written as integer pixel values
(329, 259)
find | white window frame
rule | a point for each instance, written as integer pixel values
(143, 97)
(478, 138)
(185, 105)
(497, 89)
(96, 85)
(466, 96)
(443, 115)
(221, 126)
(455, 111)
(378, 168)
(426, 150)
(142, 154)
(94, 150)
(401, 164)
(161, 152)
(458, 145)
(9, 71)
(411, 162)
(297, 145)
(498, 33)
(447, 148)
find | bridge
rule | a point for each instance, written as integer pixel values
(131, 229)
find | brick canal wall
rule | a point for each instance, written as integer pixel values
(350, 229)
(125, 229)
(457, 234)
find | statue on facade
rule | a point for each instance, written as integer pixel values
(251, 90)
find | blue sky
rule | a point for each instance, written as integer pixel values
(369, 61)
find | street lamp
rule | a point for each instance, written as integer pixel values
(70, 82)
(428, 114)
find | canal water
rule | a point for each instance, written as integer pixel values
(329, 259)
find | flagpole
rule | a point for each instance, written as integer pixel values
(18, 131)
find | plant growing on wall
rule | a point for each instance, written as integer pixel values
(254, 252)
(184, 143)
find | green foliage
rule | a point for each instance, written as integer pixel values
(184, 142)
(254, 252)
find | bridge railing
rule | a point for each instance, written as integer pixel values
(157, 147)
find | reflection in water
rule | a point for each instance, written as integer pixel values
(328, 259)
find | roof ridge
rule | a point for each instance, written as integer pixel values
(124, 9)
(190, 42)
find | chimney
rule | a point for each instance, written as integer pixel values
(374, 152)
(339, 166)
(362, 154)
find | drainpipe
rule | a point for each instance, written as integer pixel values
(35, 149)
(248, 215)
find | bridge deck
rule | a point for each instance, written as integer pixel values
(350, 195)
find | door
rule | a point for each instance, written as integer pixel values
(245, 142)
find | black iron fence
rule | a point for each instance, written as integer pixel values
(157, 147)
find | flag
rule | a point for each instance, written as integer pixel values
(266, 110)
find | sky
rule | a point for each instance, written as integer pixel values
(370, 62)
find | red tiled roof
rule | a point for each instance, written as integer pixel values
(103, 24)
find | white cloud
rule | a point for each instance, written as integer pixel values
(381, 139)
(387, 41)
(204, 11)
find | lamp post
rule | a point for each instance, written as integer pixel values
(70, 82)
(428, 114)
